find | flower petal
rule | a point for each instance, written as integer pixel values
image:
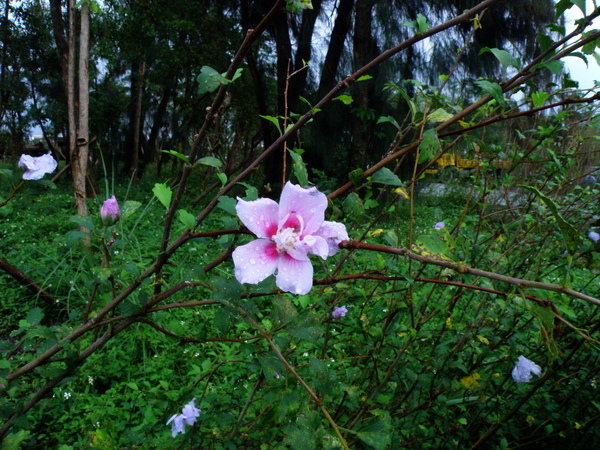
(310, 204)
(255, 261)
(316, 245)
(178, 425)
(334, 233)
(190, 412)
(260, 216)
(293, 275)
(523, 369)
(37, 167)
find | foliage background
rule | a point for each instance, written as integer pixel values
(142, 316)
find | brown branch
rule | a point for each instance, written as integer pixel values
(24, 280)
(12, 194)
(470, 271)
(529, 112)
(291, 370)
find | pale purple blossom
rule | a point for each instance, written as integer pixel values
(276, 375)
(37, 167)
(339, 312)
(110, 211)
(523, 369)
(188, 416)
(594, 236)
(287, 233)
(439, 225)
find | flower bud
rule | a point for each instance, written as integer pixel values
(110, 211)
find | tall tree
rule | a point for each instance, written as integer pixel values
(75, 77)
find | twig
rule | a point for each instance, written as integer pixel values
(470, 271)
(24, 280)
(291, 370)
(12, 194)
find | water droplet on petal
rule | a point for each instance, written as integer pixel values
(252, 261)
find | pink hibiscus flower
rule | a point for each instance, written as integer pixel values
(287, 233)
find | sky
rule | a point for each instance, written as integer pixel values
(585, 75)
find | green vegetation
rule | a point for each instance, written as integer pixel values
(470, 203)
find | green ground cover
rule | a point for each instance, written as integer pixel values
(422, 359)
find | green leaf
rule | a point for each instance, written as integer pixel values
(163, 193)
(429, 146)
(421, 23)
(580, 4)
(14, 441)
(553, 66)
(296, 5)
(83, 221)
(177, 155)
(389, 119)
(493, 89)
(102, 273)
(227, 204)
(539, 98)
(570, 235)
(545, 41)
(226, 290)
(35, 316)
(210, 161)
(386, 176)
(273, 120)
(345, 99)
(251, 191)
(237, 74)
(580, 56)
(306, 328)
(561, 6)
(210, 80)
(75, 237)
(439, 115)
(505, 58)
(129, 207)
(222, 319)
(356, 177)
(364, 78)
(7, 173)
(409, 102)
(223, 178)
(376, 432)
(299, 168)
(187, 219)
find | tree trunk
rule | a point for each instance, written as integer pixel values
(158, 124)
(336, 46)
(273, 168)
(4, 93)
(304, 51)
(80, 155)
(137, 88)
(363, 46)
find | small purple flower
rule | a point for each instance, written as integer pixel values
(439, 225)
(594, 236)
(276, 375)
(287, 233)
(339, 312)
(37, 167)
(188, 416)
(523, 369)
(110, 211)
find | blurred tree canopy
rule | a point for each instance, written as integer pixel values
(145, 59)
